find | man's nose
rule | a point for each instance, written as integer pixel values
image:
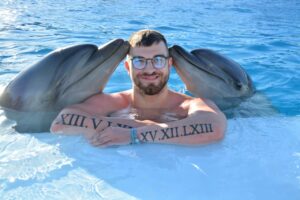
(149, 66)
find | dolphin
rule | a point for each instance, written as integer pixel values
(209, 74)
(63, 77)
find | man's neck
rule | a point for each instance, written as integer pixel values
(140, 100)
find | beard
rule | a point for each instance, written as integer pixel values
(151, 89)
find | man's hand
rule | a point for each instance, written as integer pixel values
(109, 137)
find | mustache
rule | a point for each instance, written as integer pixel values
(152, 74)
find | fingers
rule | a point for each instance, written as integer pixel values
(101, 140)
(102, 143)
(108, 137)
(89, 135)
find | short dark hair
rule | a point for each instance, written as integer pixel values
(146, 38)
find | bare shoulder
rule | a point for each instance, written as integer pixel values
(104, 98)
(200, 104)
(103, 103)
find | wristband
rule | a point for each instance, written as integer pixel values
(133, 136)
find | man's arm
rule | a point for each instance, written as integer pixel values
(73, 120)
(89, 118)
(205, 123)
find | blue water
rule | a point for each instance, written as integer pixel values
(255, 161)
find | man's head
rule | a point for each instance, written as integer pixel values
(148, 61)
(145, 38)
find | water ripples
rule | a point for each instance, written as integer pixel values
(263, 36)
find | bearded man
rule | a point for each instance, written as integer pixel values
(148, 113)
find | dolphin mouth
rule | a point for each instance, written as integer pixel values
(216, 65)
(117, 43)
(193, 60)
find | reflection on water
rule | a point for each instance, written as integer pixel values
(8, 17)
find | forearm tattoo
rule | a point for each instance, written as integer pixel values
(81, 121)
(77, 120)
(169, 133)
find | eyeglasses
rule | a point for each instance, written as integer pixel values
(158, 62)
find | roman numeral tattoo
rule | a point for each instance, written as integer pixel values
(204, 128)
(79, 121)
(173, 132)
(73, 120)
(151, 133)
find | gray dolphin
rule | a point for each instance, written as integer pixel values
(65, 76)
(212, 75)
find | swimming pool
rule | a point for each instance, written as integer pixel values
(260, 155)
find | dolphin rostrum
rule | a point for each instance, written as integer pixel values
(63, 77)
(212, 75)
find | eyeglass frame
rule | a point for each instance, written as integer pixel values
(151, 59)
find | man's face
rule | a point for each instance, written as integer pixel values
(149, 80)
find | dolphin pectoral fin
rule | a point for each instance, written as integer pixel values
(31, 122)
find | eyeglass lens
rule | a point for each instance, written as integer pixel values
(157, 61)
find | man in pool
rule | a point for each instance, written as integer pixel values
(148, 113)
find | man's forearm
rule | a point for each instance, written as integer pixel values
(197, 129)
(72, 122)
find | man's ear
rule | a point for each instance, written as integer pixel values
(126, 65)
(170, 62)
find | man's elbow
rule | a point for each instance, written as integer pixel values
(221, 127)
(54, 128)
(217, 133)
(220, 134)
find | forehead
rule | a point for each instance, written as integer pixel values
(150, 51)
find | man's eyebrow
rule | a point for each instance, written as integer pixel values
(144, 57)
(136, 56)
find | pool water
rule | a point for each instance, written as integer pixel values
(260, 155)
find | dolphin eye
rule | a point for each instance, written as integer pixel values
(239, 85)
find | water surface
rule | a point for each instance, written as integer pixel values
(259, 157)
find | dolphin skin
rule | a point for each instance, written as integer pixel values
(63, 77)
(72, 74)
(211, 75)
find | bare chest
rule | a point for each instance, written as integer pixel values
(156, 115)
